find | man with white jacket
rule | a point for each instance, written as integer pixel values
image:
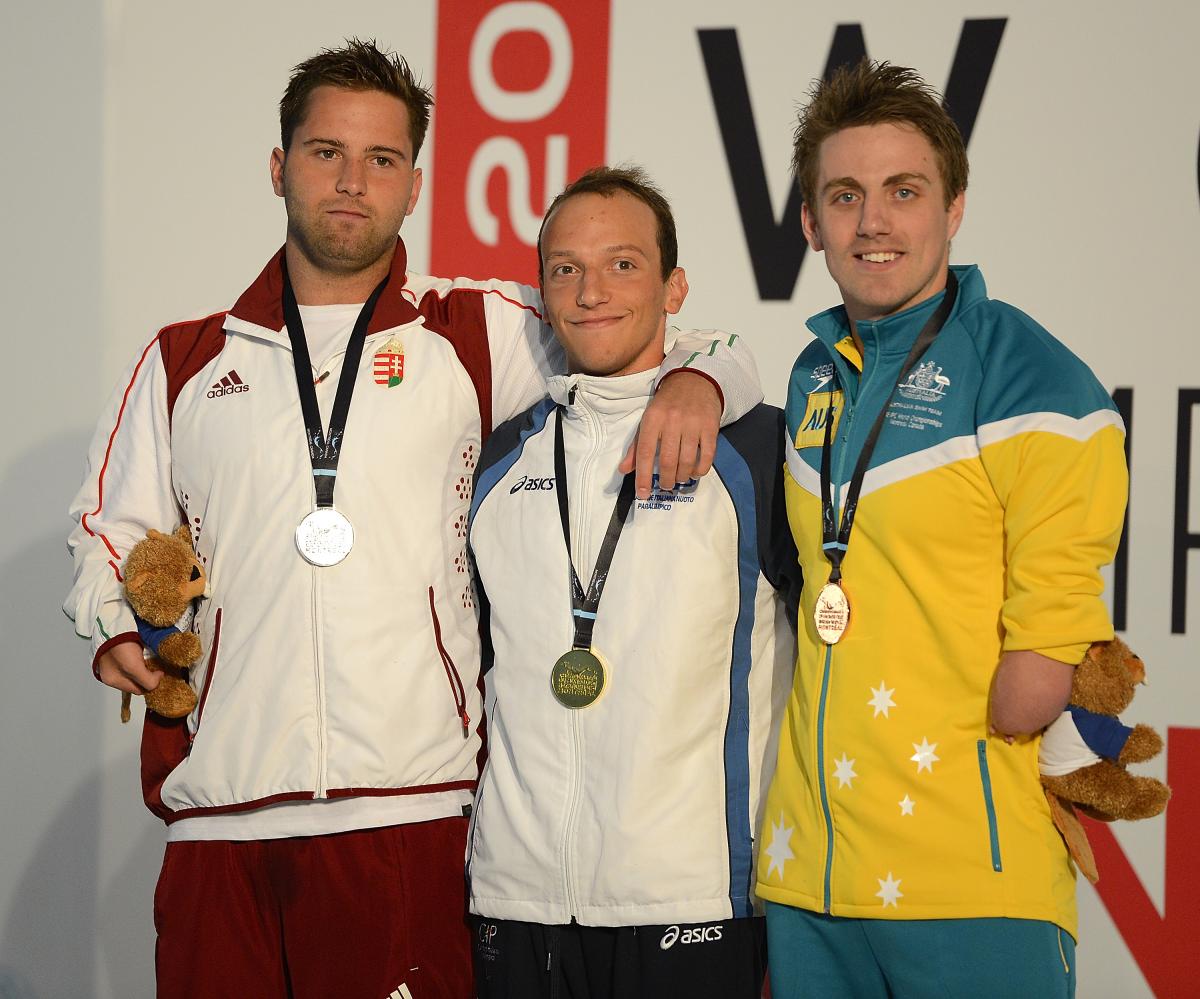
(642, 649)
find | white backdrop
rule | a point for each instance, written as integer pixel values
(136, 192)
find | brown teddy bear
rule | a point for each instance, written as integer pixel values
(162, 577)
(1083, 754)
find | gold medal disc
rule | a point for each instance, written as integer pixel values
(831, 614)
(577, 679)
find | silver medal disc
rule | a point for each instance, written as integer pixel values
(325, 537)
(831, 614)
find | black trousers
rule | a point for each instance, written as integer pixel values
(721, 960)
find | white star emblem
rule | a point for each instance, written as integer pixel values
(882, 700)
(780, 849)
(889, 891)
(844, 773)
(925, 757)
(906, 806)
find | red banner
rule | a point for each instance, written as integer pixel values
(1163, 944)
(522, 101)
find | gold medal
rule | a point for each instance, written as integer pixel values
(831, 614)
(577, 679)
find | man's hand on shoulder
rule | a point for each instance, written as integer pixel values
(124, 667)
(1030, 690)
(679, 426)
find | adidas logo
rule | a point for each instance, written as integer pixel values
(228, 385)
(401, 993)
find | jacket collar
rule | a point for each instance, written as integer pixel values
(610, 396)
(894, 334)
(259, 310)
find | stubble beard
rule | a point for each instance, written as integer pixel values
(338, 252)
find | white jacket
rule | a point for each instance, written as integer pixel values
(641, 808)
(356, 685)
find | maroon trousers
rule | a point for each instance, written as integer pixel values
(374, 913)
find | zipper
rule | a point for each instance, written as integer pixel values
(320, 790)
(580, 501)
(456, 685)
(208, 676)
(822, 786)
(849, 410)
(320, 785)
(993, 828)
(572, 813)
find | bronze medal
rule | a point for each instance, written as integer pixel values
(831, 614)
(578, 678)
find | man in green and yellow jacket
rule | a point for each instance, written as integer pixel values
(955, 481)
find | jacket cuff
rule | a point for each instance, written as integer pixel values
(121, 639)
(695, 371)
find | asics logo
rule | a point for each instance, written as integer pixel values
(691, 935)
(529, 483)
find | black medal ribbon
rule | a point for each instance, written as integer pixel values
(325, 448)
(585, 604)
(836, 540)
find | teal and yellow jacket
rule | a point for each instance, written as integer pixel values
(996, 492)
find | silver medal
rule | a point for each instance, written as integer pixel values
(325, 537)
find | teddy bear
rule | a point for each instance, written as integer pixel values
(1083, 753)
(162, 577)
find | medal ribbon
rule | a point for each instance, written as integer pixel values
(325, 449)
(584, 605)
(836, 540)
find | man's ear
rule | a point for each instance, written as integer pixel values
(416, 191)
(277, 159)
(677, 289)
(808, 221)
(955, 213)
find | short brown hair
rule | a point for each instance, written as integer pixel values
(358, 65)
(632, 180)
(871, 93)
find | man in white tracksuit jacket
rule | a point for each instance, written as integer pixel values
(612, 848)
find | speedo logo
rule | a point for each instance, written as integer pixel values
(529, 483)
(691, 935)
(228, 385)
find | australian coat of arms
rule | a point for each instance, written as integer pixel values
(927, 383)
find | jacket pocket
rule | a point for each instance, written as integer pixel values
(208, 675)
(456, 685)
(986, 780)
